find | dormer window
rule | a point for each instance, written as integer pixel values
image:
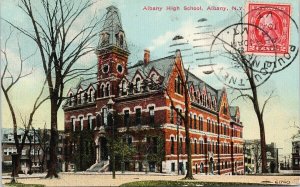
(124, 88)
(138, 84)
(90, 95)
(104, 39)
(71, 99)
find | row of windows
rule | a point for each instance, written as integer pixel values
(202, 149)
(81, 98)
(90, 123)
(211, 125)
(104, 90)
(138, 116)
(137, 87)
(223, 165)
(106, 119)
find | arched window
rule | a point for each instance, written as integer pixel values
(90, 122)
(81, 122)
(102, 90)
(107, 91)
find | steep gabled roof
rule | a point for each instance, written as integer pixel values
(84, 84)
(163, 66)
(200, 83)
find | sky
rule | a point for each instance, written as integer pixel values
(154, 30)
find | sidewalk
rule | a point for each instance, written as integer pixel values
(105, 179)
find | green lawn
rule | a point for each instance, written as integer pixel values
(23, 185)
(186, 183)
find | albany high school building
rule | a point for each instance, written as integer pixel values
(134, 105)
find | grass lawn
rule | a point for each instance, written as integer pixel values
(23, 185)
(186, 183)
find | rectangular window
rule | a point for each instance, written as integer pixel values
(172, 166)
(138, 115)
(195, 122)
(104, 116)
(195, 147)
(208, 146)
(126, 118)
(180, 146)
(151, 113)
(172, 115)
(172, 145)
(201, 123)
(191, 121)
(208, 125)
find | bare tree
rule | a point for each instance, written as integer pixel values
(10, 80)
(61, 43)
(183, 82)
(244, 63)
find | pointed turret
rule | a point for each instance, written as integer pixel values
(112, 53)
(112, 33)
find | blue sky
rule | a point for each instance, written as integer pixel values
(154, 30)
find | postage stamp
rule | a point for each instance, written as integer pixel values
(274, 19)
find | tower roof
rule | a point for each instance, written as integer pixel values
(112, 33)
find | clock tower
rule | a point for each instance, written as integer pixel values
(112, 53)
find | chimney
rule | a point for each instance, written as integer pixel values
(146, 56)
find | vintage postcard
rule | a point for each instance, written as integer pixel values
(150, 93)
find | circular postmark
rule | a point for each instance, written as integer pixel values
(275, 20)
(234, 66)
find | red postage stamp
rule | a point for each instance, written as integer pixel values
(270, 28)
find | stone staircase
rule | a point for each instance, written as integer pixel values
(102, 166)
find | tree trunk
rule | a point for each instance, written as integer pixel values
(263, 148)
(259, 115)
(189, 173)
(53, 142)
(17, 165)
